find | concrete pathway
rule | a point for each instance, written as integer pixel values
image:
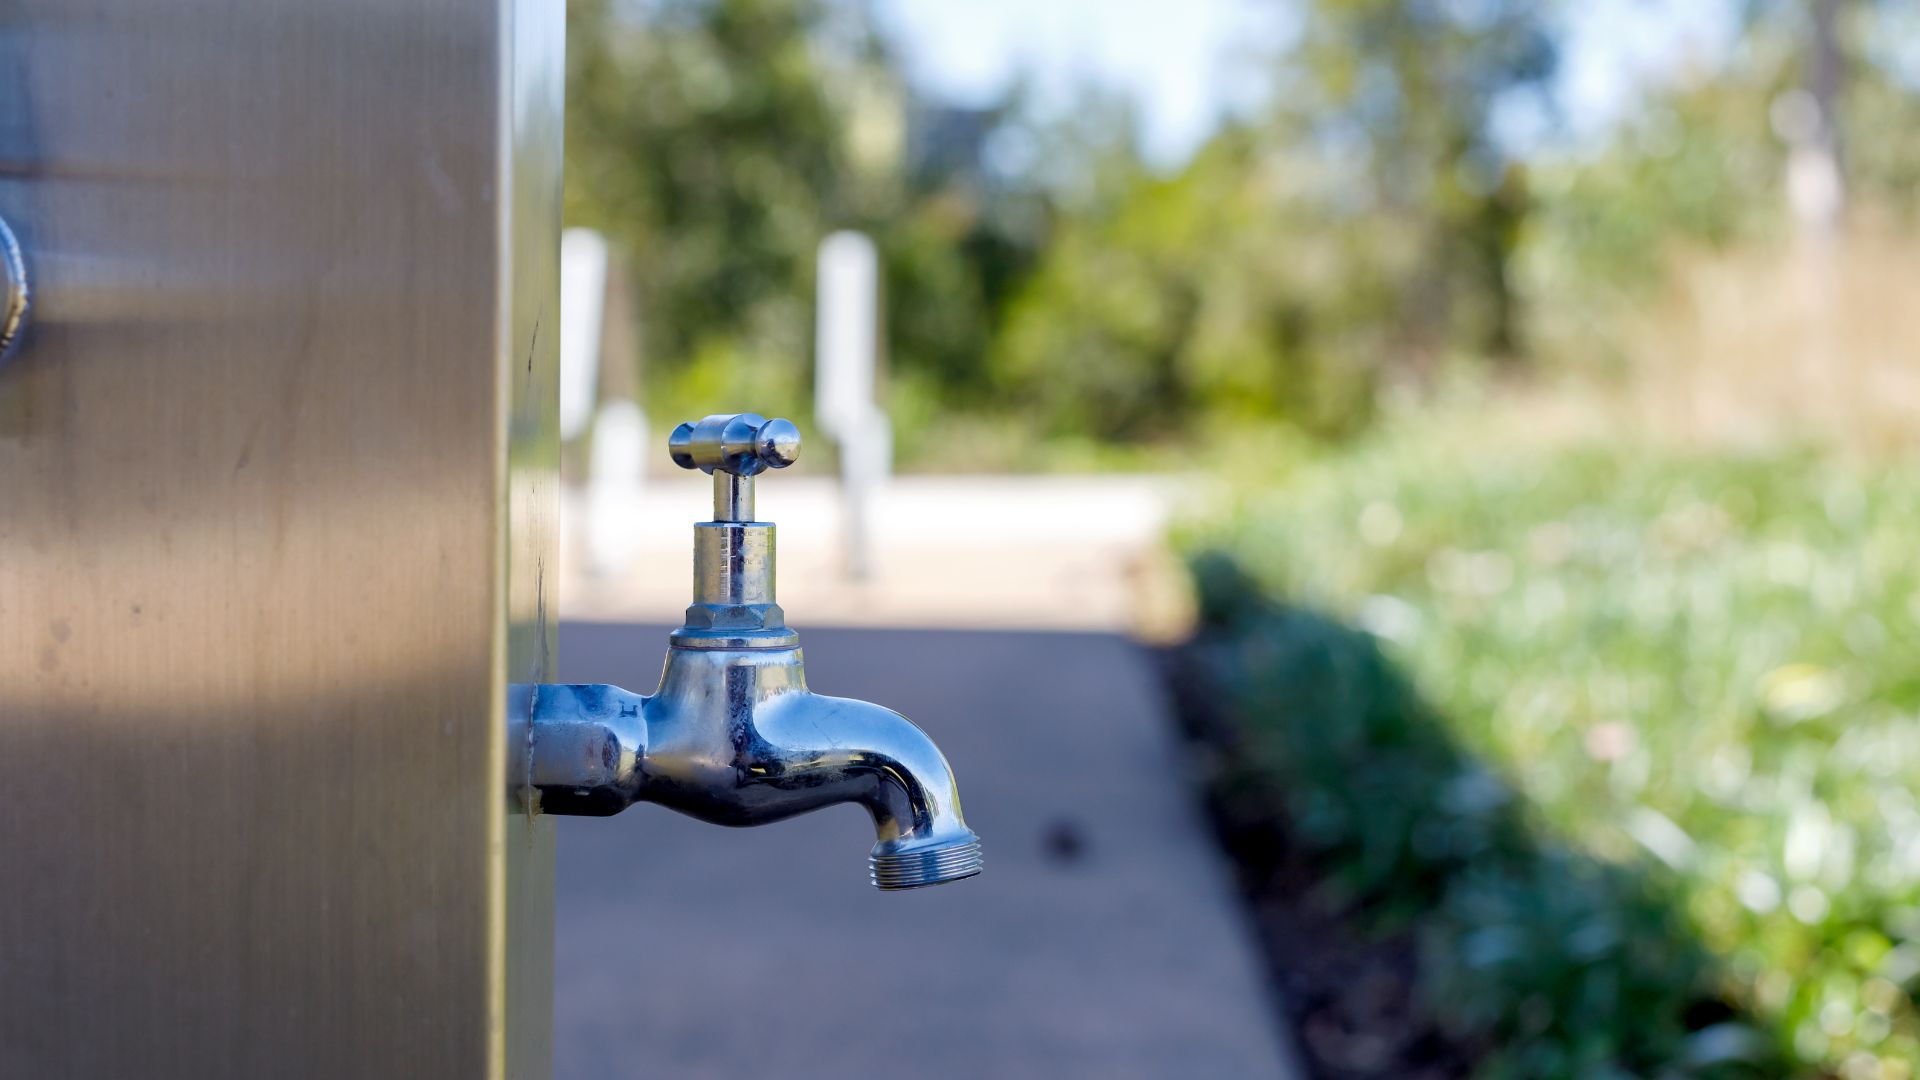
(1102, 940)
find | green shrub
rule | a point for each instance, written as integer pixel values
(1660, 817)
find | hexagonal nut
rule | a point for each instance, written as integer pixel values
(735, 617)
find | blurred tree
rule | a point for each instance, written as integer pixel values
(957, 237)
(1704, 163)
(702, 138)
(719, 140)
(1859, 65)
(1208, 297)
(1404, 98)
(1401, 203)
(1808, 116)
(1694, 167)
(1364, 227)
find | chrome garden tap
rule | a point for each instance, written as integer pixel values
(732, 735)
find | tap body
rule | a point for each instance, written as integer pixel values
(732, 735)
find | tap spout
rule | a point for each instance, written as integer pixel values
(734, 737)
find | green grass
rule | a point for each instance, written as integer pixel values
(1654, 805)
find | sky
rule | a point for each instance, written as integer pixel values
(1188, 62)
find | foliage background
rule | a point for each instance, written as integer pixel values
(1649, 681)
(1051, 298)
(1576, 639)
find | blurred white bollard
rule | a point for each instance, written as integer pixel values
(866, 461)
(847, 331)
(615, 483)
(846, 362)
(616, 468)
(583, 302)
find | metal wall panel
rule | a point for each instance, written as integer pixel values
(277, 497)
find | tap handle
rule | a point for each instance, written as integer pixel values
(742, 444)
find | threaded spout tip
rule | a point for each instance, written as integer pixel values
(919, 867)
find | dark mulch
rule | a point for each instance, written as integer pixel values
(1348, 995)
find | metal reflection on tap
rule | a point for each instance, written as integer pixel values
(16, 294)
(733, 736)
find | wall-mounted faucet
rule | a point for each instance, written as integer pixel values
(733, 736)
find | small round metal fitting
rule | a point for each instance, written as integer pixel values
(777, 442)
(743, 444)
(894, 868)
(16, 297)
